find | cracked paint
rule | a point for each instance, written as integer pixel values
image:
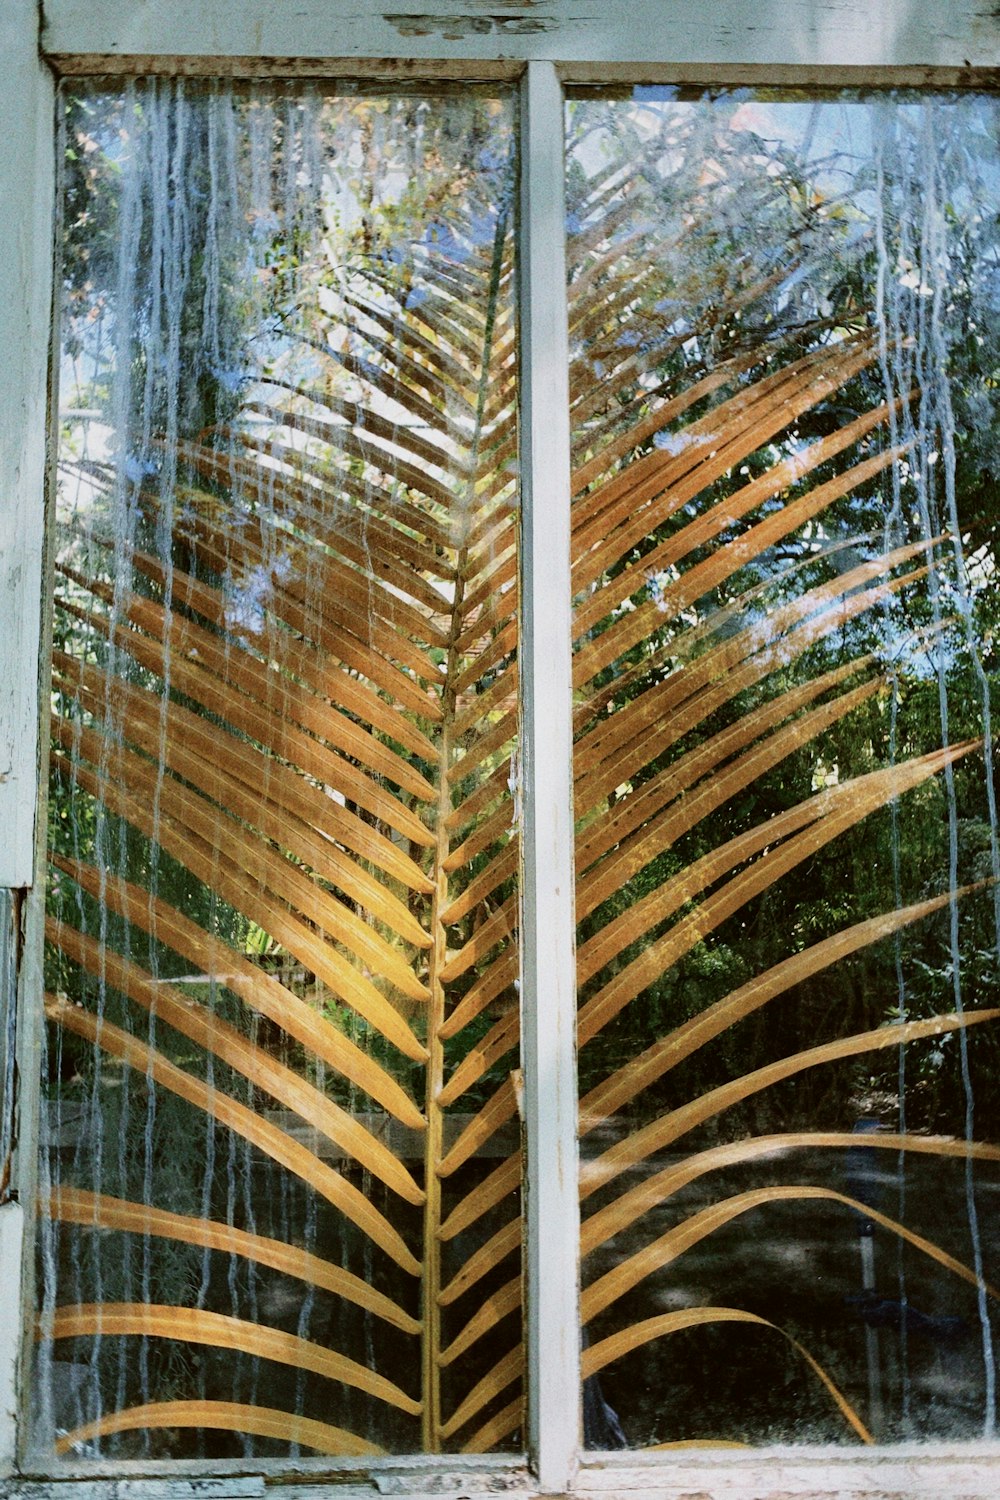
(455, 28)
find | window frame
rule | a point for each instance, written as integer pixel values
(943, 43)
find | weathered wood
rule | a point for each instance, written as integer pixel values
(925, 33)
(27, 169)
(27, 174)
(308, 1479)
(11, 1234)
(234, 1487)
(8, 1015)
(861, 33)
(912, 1473)
(450, 1483)
(796, 75)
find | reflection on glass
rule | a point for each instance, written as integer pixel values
(785, 339)
(283, 846)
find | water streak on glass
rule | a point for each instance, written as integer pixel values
(784, 330)
(279, 1195)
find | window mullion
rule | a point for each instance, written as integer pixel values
(26, 191)
(27, 181)
(547, 933)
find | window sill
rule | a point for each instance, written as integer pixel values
(906, 1472)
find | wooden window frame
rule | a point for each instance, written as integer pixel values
(538, 47)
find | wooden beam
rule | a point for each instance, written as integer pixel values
(548, 968)
(11, 1212)
(828, 33)
(914, 1471)
(11, 1239)
(311, 1477)
(9, 941)
(27, 167)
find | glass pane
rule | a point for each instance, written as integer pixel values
(785, 341)
(280, 1168)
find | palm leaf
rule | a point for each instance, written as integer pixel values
(731, 621)
(290, 699)
(77, 1206)
(660, 1186)
(266, 1136)
(227, 1416)
(196, 1326)
(255, 988)
(696, 1227)
(601, 1354)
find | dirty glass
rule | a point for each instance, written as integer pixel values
(784, 339)
(279, 1072)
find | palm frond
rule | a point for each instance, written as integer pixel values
(742, 616)
(288, 703)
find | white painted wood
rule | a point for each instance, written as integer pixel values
(11, 1217)
(26, 182)
(11, 1238)
(867, 33)
(909, 1472)
(247, 1487)
(729, 34)
(834, 1475)
(422, 1474)
(8, 988)
(548, 984)
(18, 1283)
(27, 176)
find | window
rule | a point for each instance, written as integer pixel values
(362, 562)
(776, 308)
(285, 664)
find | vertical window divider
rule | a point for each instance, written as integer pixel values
(27, 185)
(548, 988)
(27, 191)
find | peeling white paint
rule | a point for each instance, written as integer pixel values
(867, 33)
(596, 34)
(11, 1237)
(454, 28)
(548, 963)
(26, 176)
